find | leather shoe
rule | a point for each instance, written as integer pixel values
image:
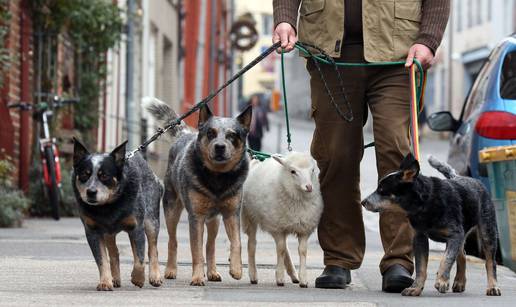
(396, 279)
(333, 277)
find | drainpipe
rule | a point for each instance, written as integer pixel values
(25, 96)
(130, 110)
(213, 46)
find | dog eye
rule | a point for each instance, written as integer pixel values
(211, 134)
(103, 177)
(293, 172)
(231, 136)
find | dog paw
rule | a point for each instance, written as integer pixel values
(116, 282)
(459, 286)
(442, 285)
(138, 277)
(295, 280)
(494, 291)
(303, 285)
(236, 273)
(412, 292)
(280, 283)
(105, 286)
(214, 276)
(155, 281)
(197, 281)
(170, 273)
(254, 282)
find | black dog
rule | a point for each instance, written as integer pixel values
(444, 211)
(116, 194)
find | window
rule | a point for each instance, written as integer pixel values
(479, 12)
(489, 10)
(508, 77)
(470, 14)
(267, 24)
(459, 15)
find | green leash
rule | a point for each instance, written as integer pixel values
(302, 47)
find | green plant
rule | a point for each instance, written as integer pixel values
(12, 202)
(93, 27)
(12, 205)
(5, 18)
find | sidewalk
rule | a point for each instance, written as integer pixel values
(49, 263)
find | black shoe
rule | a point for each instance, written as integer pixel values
(333, 277)
(396, 279)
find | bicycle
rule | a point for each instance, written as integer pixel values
(42, 112)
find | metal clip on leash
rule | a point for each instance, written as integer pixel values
(203, 102)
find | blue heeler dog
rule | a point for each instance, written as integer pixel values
(205, 174)
(116, 194)
(444, 211)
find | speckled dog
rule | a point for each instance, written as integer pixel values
(116, 194)
(205, 174)
(444, 211)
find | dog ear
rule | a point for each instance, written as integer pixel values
(245, 117)
(119, 155)
(204, 115)
(409, 168)
(79, 151)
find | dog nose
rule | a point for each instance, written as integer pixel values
(309, 188)
(220, 148)
(91, 192)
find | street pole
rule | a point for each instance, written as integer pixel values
(130, 109)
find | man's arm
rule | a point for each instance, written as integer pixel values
(285, 19)
(433, 24)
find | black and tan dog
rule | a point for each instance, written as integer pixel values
(116, 194)
(205, 174)
(444, 211)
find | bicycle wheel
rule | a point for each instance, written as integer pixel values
(53, 188)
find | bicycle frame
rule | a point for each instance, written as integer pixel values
(44, 142)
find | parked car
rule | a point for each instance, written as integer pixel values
(488, 116)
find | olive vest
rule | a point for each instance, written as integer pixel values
(390, 27)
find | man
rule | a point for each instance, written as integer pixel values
(361, 31)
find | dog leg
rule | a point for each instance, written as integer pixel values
(98, 248)
(251, 252)
(453, 246)
(291, 269)
(137, 238)
(114, 260)
(489, 238)
(420, 243)
(213, 229)
(152, 231)
(196, 241)
(303, 247)
(232, 225)
(459, 284)
(172, 216)
(281, 246)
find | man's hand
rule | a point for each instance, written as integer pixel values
(422, 53)
(285, 33)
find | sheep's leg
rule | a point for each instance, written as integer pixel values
(281, 246)
(291, 269)
(251, 252)
(303, 246)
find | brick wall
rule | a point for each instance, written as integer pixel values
(17, 87)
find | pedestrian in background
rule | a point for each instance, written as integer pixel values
(361, 31)
(259, 122)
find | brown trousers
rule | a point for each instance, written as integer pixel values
(337, 145)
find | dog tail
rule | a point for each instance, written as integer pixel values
(163, 113)
(442, 167)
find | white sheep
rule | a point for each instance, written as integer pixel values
(282, 198)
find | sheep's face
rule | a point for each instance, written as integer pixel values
(301, 168)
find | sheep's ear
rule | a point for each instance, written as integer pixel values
(280, 159)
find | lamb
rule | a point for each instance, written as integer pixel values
(282, 197)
